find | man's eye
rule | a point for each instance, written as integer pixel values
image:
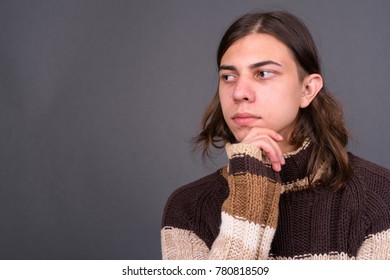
(228, 78)
(265, 74)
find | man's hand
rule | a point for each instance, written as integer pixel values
(266, 140)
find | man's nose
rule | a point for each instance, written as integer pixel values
(244, 91)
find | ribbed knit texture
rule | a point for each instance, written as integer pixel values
(248, 211)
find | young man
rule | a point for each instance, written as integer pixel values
(290, 189)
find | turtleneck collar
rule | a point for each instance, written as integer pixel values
(296, 163)
(294, 173)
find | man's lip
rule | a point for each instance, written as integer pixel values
(245, 119)
(245, 116)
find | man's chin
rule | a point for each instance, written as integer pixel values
(241, 135)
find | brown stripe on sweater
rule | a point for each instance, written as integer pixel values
(247, 164)
(254, 198)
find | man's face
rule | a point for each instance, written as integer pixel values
(259, 86)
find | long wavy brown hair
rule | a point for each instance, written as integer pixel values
(321, 121)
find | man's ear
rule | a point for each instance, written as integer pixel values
(312, 84)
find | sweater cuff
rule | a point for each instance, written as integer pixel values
(240, 150)
(247, 158)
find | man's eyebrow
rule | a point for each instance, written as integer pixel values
(227, 67)
(263, 63)
(252, 66)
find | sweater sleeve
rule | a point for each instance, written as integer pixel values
(376, 247)
(376, 244)
(248, 218)
(250, 213)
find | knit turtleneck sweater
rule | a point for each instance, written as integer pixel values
(248, 211)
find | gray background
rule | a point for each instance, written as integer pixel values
(99, 101)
